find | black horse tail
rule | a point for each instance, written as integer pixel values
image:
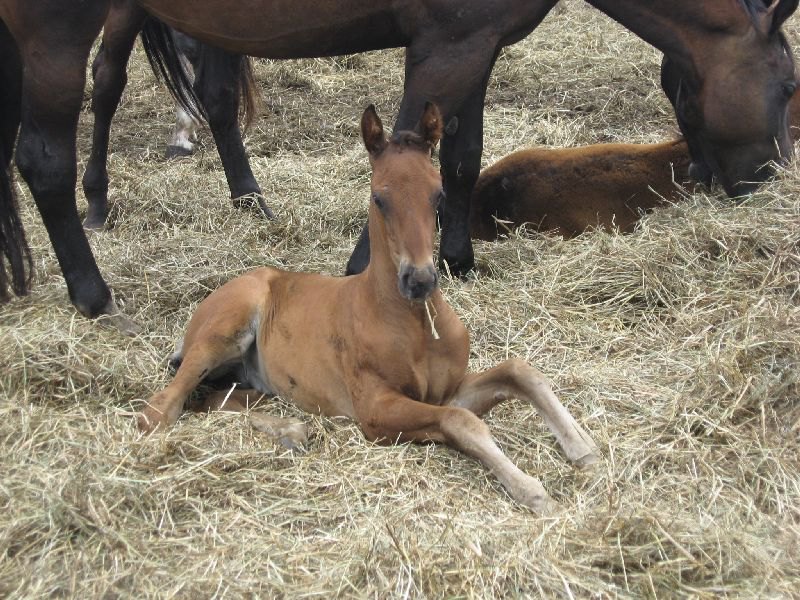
(165, 60)
(249, 93)
(14, 246)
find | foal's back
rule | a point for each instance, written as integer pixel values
(567, 190)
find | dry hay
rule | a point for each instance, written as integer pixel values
(676, 346)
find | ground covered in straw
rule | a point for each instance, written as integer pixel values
(677, 347)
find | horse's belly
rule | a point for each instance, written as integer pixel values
(281, 29)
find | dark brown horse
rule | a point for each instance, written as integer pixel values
(735, 65)
(382, 347)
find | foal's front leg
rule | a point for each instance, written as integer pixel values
(393, 417)
(515, 378)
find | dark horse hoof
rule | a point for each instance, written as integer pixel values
(701, 172)
(177, 152)
(94, 223)
(456, 263)
(254, 201)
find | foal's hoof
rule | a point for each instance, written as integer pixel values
(173, 151)
(588, 461)
(149, 421)
(254, 201)
(289, 433)
(544, 506)
(111, 316)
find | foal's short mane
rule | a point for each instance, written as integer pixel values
(411, 139)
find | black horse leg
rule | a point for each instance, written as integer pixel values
(52, 92)
(459, 89)
(460, 159)
(110, 76)
(217, 76)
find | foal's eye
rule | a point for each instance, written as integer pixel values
(789, 88)
(378, 201)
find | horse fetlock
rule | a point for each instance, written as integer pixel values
(456, 257)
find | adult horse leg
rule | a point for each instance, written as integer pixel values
(52, 92)
(459, 89)
(220, 79)
(110, 76)
(515, 378)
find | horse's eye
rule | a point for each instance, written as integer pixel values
(789, 88)
(378, 201)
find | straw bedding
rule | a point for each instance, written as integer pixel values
(677, 348)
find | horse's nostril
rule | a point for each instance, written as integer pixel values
(417, 284)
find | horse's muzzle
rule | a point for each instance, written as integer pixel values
(417, 283)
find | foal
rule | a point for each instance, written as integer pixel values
(382, 347)
(567, 190)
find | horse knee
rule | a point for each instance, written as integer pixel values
(464, 430)
(44, 168)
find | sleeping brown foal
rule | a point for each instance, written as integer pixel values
(365, 346)
(569, 190)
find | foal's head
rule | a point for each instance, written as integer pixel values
(406, 189)
(731, 96)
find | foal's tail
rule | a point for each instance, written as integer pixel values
(165, 60)
(13, 245)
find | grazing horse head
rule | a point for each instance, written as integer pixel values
(731, 98)
(406, 190)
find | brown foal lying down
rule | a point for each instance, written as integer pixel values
(383, 347)
(568, 190)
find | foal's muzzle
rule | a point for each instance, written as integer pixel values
(417, 283)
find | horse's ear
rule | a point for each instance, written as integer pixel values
(372, 131)
(430, 125)
(777, 13)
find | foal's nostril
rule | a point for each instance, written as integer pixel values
(417, 284)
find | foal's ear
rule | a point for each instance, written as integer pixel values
(430, 125)
(372, 131)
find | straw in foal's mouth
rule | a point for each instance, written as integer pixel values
(431, 318)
